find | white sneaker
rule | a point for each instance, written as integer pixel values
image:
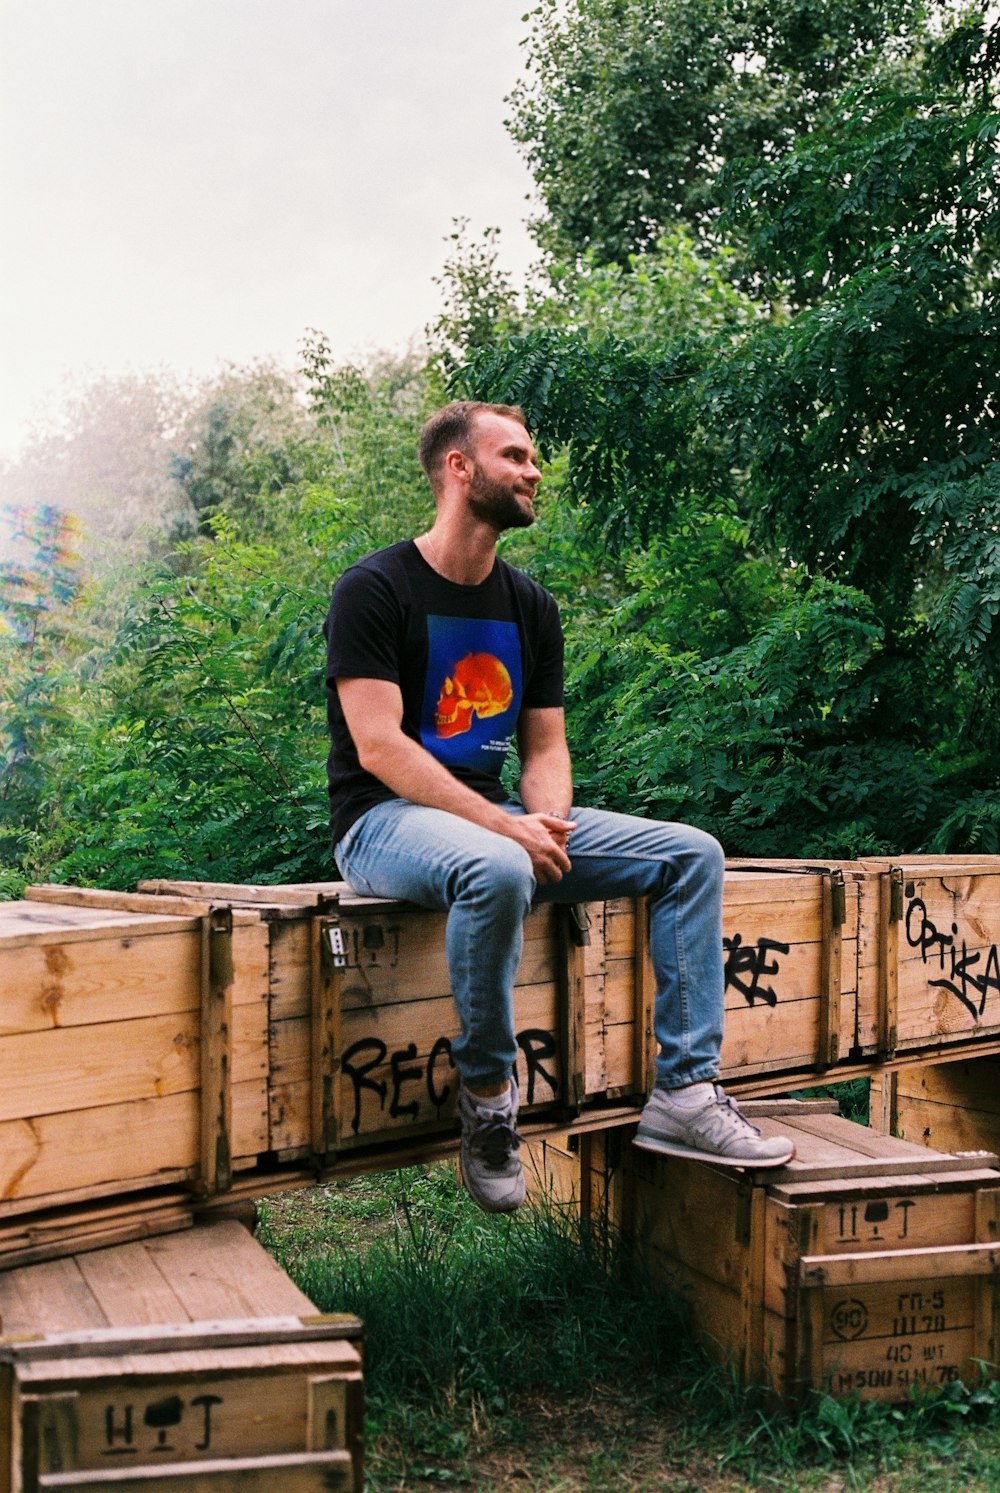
(491, 1168)
(714, 1131)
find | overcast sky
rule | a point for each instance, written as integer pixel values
(191, 182)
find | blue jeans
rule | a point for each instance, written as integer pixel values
(435, 859)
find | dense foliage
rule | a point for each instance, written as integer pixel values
(767, 391)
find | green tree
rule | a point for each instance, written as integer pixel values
(201, 748)
(632, 107)
(40, 638)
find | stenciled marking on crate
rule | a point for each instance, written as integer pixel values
(129, 1429)
(909, 1359)
(746, 965)
(406, 1067)
(874, 1219)
(970, 988)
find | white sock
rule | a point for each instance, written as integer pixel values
(692, 1096)
(500, 1102)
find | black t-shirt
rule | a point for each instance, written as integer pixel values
(467, 659)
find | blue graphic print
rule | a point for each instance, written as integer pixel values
(472, 694)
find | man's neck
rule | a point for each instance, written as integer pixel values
(465, 557)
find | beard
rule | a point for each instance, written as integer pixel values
(497, 503)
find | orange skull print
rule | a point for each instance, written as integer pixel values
(479, 685)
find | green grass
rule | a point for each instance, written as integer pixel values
(528, 1352)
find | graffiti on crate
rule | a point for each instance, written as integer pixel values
(416, 1075)
(127, 1432)
(962, 976)
(747, 964)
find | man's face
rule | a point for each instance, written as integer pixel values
(504, 476)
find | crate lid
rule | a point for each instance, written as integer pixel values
(830, 1149)
(41, 922)
(301, 894)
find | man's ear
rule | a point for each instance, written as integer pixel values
(457, 463)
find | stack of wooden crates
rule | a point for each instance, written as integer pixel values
(193, 1042)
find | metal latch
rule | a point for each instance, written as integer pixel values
(335, 943)
(579, 925)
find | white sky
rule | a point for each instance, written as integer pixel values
(191, 182)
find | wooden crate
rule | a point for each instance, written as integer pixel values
(133, 1044)
(287, 915)
(791, 936)
(386, 1008)
(581, 1170)
(950, 1106)
(362, 1017)
(186, 1362)
(867, 1264)
(939, 934)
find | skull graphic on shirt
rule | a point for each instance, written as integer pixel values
(478, 685)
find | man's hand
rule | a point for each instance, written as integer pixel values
(544, 837)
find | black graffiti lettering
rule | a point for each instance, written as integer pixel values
(961, 980)
(970, 989)
(206, 1402)
(751, 960)
(927, 937)
(537, 1044)
(401, 1075)
(362, 1057)
(358, 1075)
(118, 1432)
(436, 1096)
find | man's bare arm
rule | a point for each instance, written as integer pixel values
(373, 709)
(546, 772)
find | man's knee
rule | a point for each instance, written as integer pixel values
(709, 853)
(501, 875)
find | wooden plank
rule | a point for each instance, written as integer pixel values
(300, 1472)
(220, 1271)
(115, 901)
(290, 894)
(82, 1067)
(889, 1266)
(247, 1342)
(290, 969)
(47, 1296)
(87, 983)
(24, 924)
(74, 1236)
(129, 1145)
(129, 1287)
(831, 971)
(325, 1043)
(644, 1049)
(948, 964)
(571, 928)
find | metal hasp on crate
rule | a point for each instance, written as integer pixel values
(216, 1051)
(329, 961)
(834, 915)
(573, 937)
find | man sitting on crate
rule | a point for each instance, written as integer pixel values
(439, 654)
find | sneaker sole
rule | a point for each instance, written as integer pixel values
(670, 1148)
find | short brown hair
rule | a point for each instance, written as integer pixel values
(452, 426)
